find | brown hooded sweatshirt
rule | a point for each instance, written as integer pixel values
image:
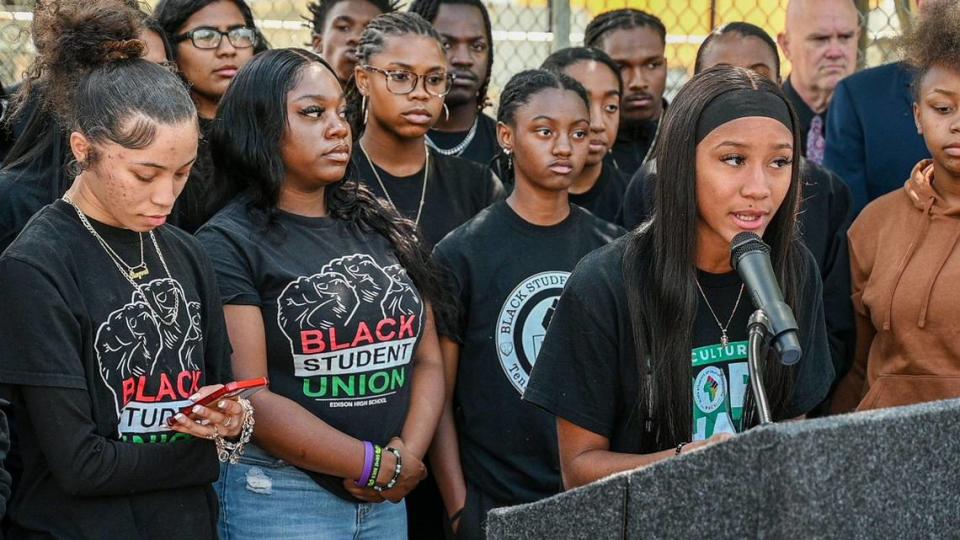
(905, 264)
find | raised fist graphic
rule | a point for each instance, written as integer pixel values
(128, 344)
(401, 298)
(191, 357)
(319, 301)
(363, 274)
(169, 303)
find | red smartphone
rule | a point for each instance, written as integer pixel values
(233, 389)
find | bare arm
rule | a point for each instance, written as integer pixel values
(586, 457)
(445, 452)
(426, 401)
(284, 428)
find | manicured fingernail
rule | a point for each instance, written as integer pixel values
(180, 417)
(222, 404)
(194, 397)
(197, 408)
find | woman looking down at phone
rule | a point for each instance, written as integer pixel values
(111, 318)
(328, 292)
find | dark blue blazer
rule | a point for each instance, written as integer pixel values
(872, 139)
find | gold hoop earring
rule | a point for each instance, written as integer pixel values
(446, 112)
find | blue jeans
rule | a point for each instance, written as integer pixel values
(263, 498)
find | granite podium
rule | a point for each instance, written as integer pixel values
(892, 473)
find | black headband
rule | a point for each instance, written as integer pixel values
(740, 104)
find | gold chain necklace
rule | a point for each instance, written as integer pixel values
(128, 274)
(132, 272)
(724, 340)
(423, 192)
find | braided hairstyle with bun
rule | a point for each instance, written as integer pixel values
(519, 91)
(373, 41)
(428, 9)
(621, 19)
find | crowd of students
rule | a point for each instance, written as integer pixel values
(456, 312)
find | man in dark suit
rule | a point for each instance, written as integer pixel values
(820, 40)
(872, 138)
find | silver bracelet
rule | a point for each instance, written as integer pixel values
(231, 451)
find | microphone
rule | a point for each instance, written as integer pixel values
(750, 257)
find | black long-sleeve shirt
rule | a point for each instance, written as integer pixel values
(94, 369)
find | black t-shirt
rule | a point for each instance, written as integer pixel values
(95, 369)
(456, 190)
(342, 318)
(23, 191)
(587, 369)
(633, 144)
(606, 196)
(823, 221)
(507, 275)
(481, 148)
(197, 202)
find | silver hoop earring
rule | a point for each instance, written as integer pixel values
(363, 109)
(446, 112)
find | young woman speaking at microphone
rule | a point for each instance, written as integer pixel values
(645, 357)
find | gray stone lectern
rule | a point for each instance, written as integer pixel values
(892, 473)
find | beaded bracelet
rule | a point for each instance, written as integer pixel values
(368, 453)
(377, 461)
(396, 471)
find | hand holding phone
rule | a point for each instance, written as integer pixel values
(231, 390)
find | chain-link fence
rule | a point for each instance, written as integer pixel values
(526, 31)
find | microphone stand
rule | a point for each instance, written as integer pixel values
(758, 331)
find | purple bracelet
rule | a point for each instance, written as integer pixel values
(367, 464)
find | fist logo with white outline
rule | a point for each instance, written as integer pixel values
(157, 332)
(333, 297)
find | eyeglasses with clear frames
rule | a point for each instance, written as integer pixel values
(205, 37)
(402, 82)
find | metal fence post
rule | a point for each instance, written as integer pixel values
(560, 23)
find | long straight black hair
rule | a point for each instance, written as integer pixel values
(659, 263)
(246, 149)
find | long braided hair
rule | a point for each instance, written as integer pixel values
(428, 10)
(621, 19)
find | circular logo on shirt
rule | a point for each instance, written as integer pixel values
(523, 322)
(709, 389)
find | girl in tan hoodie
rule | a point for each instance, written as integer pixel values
(904, 253)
